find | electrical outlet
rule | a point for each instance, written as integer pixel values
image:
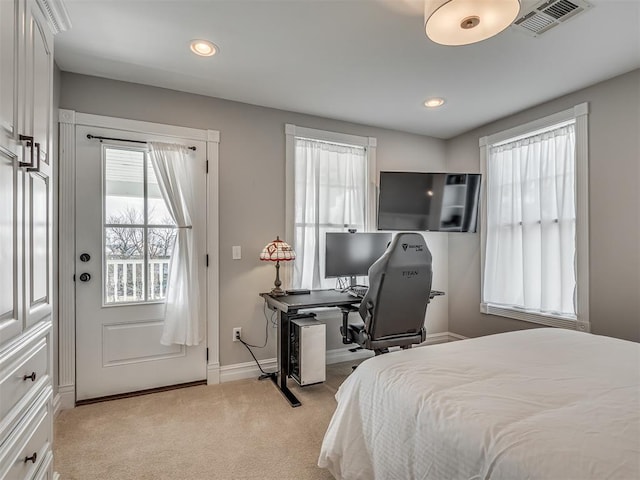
(237, 333)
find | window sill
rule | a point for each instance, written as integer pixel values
(535, 317)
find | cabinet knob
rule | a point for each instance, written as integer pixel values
(85, 277)
(85, 257)
(32, 377)
(32, 458)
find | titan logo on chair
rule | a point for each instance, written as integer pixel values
(410, 273)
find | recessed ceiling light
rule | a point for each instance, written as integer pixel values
(204, 48)
(434, 102)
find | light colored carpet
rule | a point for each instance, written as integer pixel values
(236, 430)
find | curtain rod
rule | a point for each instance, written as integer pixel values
(90, 137)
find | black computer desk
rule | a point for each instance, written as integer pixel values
(288, 306)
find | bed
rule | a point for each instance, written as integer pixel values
(536, 404)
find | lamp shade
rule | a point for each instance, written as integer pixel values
(461, 22)
(277, 251)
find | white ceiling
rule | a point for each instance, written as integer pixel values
(365, 61)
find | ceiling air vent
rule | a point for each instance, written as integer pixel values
(547, 14)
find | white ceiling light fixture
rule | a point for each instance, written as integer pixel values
(204, 48)
(434, 102)
(461, 22)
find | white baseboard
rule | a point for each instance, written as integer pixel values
(213, 374)
(340, 355)
(454, 336)
(242, 371)
(65, 399)
(433, 338)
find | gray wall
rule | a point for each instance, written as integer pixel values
(614, 222)
(252, 160)
(252, 175)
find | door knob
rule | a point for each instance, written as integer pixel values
(85, 277)
(85, 257)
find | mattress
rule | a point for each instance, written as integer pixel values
(536, 404)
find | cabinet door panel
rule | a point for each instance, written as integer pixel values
(41, 61)
(10, 241)
(11, 176)
(39, 239)
(37, 248)
(8, 60)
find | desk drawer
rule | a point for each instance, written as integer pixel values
(30, 444)
(21, 376)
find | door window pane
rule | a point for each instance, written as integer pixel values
(124, 186)
(124, 264)
(157, 210)
(160, 247)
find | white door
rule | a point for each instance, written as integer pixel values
(124, 238)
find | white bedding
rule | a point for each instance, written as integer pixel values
(537, 404)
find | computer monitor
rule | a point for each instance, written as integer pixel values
(351, 254)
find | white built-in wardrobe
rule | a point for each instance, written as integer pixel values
(27, 161)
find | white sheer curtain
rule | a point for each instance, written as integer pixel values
(330, 196)
(184, 323)
(531, 223)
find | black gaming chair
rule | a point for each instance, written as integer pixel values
(395, 305)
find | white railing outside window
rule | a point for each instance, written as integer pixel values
(125, 280)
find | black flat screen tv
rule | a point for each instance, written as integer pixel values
(434, 202)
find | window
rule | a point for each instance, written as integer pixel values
(330, 188)
(138, 231)
(534, 234)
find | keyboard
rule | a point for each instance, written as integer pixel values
(357, 291)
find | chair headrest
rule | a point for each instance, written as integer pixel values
(408, 248)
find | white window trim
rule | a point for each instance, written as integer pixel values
(579, 113)
(369, 144)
